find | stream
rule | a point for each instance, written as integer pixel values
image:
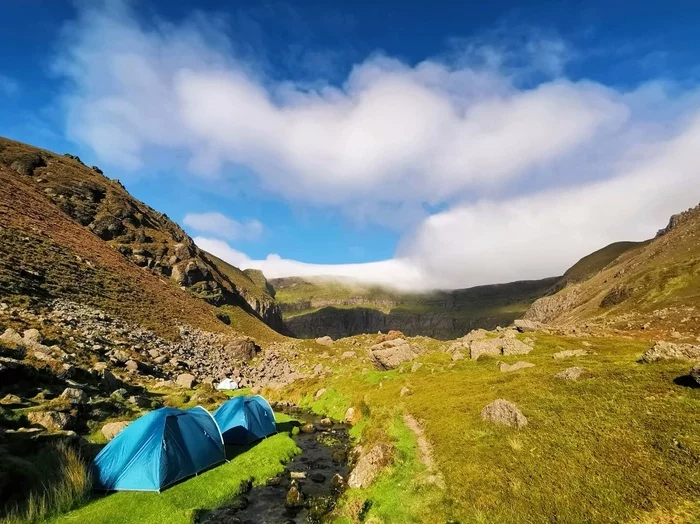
(315, 470)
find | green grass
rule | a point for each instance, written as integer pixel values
(619, 446)
(205, 491)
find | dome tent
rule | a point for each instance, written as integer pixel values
(245, 419)
(159, 449)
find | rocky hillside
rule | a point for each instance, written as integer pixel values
(653, 287)
(145, 237)
(318, 307)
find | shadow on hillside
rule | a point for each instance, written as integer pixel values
(686, 381)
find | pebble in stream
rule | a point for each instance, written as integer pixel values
(319, 473)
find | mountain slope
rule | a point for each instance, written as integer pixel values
(654, 286)
(69, 232)
(320, 306)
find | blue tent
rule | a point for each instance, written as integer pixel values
(245, 419)
(159, 449)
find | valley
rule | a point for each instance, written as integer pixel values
(569, 399)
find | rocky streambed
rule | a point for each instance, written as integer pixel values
(307, 491)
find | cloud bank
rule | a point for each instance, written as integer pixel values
(532, 176)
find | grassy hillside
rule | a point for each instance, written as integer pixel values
(47, 250)
(655, 287)
(319, 306)
(618, 446)
(147, 238)
(596, 261)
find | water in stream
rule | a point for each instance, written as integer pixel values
(323, 456)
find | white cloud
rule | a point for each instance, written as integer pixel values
(393, 272)
(224, 227)
(531, 178)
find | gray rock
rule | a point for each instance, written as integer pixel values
(568, 353)
(347, 354)
(32, 337)
(351, 415)
(74, 396)
(132, 366)
(513, 346)
(320, 393)
(186, 380)
(695, 373)
(507, 368)
(11, 338)
(324, 341)
(242, 349)
(391, 353)
(51, 420)
(489, 346)
(295, 497)
(573, 373)
(416, 366)
(671, 351)
(404, 391)
(369, 465)
(504, 413)
(112, 429)
(525, 326)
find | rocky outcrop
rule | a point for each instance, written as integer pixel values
(670, 351)
(547, 309)
(51, 420)
(526, 325)
(504, 413)
(369, 464)
(679, 219)
(503, 345)
(391, 353)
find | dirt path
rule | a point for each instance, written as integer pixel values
(425, 450)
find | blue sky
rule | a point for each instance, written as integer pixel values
(417, 144)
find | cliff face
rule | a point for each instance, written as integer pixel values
(147, 238)
(322, 307)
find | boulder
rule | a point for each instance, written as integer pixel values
(352, 416)
(513, 346)
(347, 354)
(32, 337)
(504, 413)
(326, 422)
(404, 391)
(573, 373)
(338, 484)
(568, 353)
(489, 346)
(121, 356)
(308, 428)
(132, 366)
(295, 497)
(74, 396)
(507, 368)
(320, 393)
(10, 400)
(11, 338)
(370, 465)
(181, 251)
(242, 348)
(525, 326)
(324, 341)
(695, 373)
(391, 353)
(186, 380)
(51, 420)
(671, 351)
(112, 429)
